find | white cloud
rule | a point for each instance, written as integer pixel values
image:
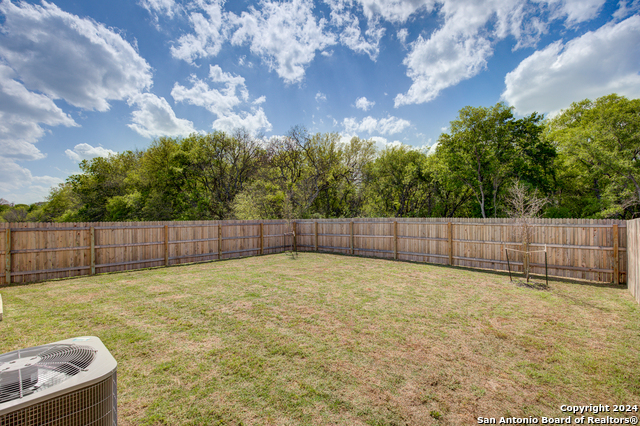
(396, 11)
(71, 58)
(369, 44)
(12, 175)
(598, 63)
(440, 62)
(231, 82)
(460, 48)
(625, 9)
(200, 94)
(364, 104)
(47, 54)
(383, 143)
(320, 97)
(84, 151)
(402, 35)
(218, 101)
(389, 125)
(155, 117)
(224, 100)
(242, 61)
(19, 185)
(350, 32)
(209, 32)
(577, 11)
(167, 7)
(457, 50)
(21, 114)
(285, 35)
(254, 122)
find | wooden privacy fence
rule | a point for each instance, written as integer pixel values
(39, 251)
(586, 249)
(576, 248)
(633, 238)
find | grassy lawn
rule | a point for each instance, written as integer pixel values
(336, 340)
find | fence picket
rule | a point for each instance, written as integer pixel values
(598, 250)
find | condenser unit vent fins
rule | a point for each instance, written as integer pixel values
(93, 405)
(26, 371)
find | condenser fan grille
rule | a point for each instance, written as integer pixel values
(94, 405)
(24, 372)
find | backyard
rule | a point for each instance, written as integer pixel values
(331, 339)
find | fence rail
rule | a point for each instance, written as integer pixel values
(32, 252)
(587, 249)
(577, 248)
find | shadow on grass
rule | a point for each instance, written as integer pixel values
(494, 272)
(294, 256)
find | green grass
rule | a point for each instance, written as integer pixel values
(326, 339)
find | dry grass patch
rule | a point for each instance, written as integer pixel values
(325, 339)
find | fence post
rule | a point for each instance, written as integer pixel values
(92, 254)
(351, 231)
(295, 242)
(316, 234)
(616, 256)
(219, 241)
(261, 238)
(7, 256)
(166, 245)
(395, 239)
(450, 232)
(525, 259)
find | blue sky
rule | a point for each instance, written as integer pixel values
(85, 78)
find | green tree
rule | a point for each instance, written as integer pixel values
(599, 142)
(303, 166)
(17, 213)
(399, 183)
(487, 147)
(262, 199)
(62, 204)
(102, 179)
(452, 196)
(166, 193)
(218, 167)
(344, 197)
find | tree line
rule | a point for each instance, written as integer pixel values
(584, 162)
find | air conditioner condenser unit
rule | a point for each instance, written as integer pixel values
(67, 383)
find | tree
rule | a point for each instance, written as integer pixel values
(263, 199)
(164, 189)
(524, 205)
(399, 183)
(487, 147)
(452, 196)
(221, 165)
(600, 143)
(18, 213)
(102, 179)
(304, 166)
(345, 197)
(306, 175)
(62, 204)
